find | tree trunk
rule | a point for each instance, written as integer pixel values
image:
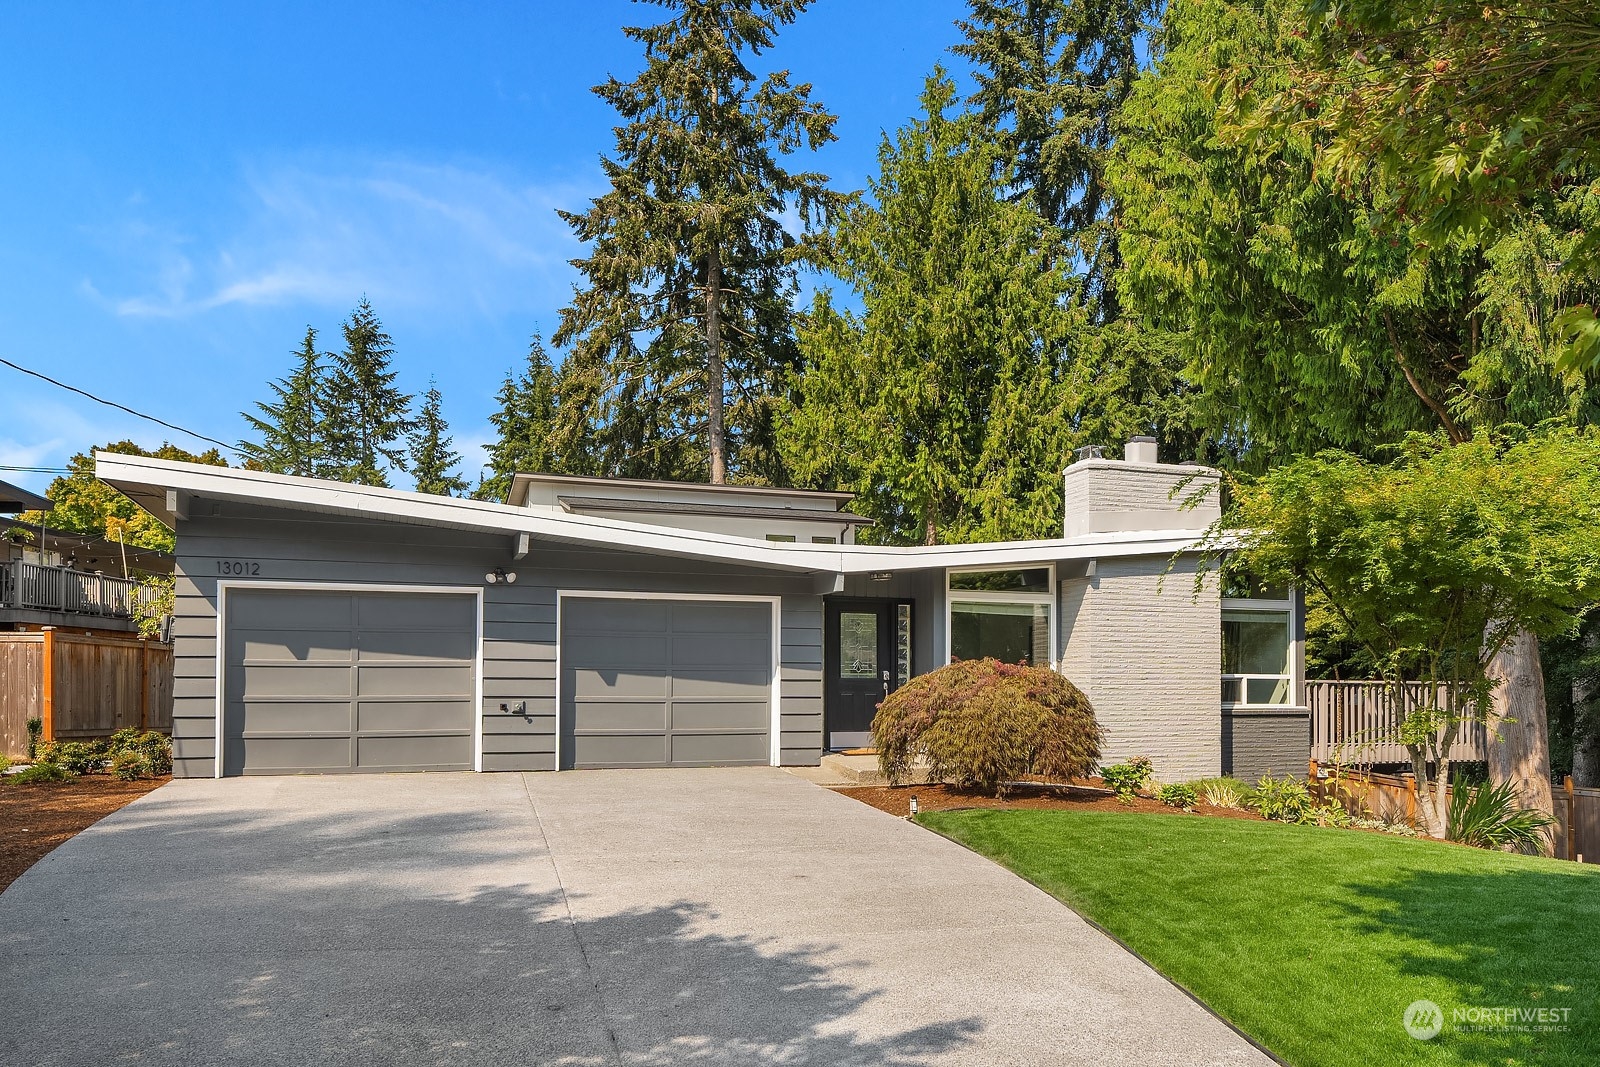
(715, 372)
(1585, 737)
(1520, 754)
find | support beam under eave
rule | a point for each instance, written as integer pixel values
(178, 504)
(521, 545)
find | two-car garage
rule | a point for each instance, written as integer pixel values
(340, 680)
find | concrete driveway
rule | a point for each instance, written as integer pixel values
(618, 917)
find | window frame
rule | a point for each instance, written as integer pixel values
(1289, 608)
(952, 597)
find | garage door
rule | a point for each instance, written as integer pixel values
(337, 682)
(652, 683)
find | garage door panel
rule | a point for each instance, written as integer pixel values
(618, 750)
(413, 716)
(410, 681)
(580, 684)
(738, 715)
(393, 689)
(621, 650)
(697, 690)
(719, 617)
(255, 611)
(289, 646)
(290, 680)
(721, 682)
(720, 650)
(381, 645)
(634, 716)
(608, 617)
(720, 748)
(279, 755)
(289, 717)
(415, 611)
(413, 752)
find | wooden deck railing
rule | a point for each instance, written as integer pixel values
(29, 585)
(1358, 723)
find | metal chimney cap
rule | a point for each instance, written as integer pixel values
(1089, 452)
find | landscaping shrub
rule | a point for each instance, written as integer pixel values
(1126, 779)
(5, 762)
(1332, 813)
(1221, 792)
(157, 750)
(35, 731)
(1279, 799)
(41, 772)
(130, 765)
(982, 724)
(47, 752)
(1488, 816)
(80, 757)
(1178, 795)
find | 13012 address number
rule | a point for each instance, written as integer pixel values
(238, 567)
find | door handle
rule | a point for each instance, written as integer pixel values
(885, 683)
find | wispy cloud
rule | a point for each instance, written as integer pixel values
(432, 236)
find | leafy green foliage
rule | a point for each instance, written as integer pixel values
(81, 757)
(433, 459)
(81, 503)
(1488, 816)
(983, 724)
(1128, 778)
(679, 336)
(39, 773)
(1433, 561)
(162, 602)
(35, 731)
(366, 414)
(1178, 795)
(293, 429)
(1221, 791)
(1052, 77)
(1280, 799)
(939, 405)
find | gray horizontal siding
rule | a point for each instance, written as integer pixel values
(519, 621)
(1263, 741)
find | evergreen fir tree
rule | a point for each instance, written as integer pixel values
(291, 430)
(940, 405)
(688, 252)
(525, 424)
(1052, 78)
(367, 416)
(433, 459)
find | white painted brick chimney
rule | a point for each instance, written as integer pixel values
(1136, 493)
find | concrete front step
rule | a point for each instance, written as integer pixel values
(863, 770)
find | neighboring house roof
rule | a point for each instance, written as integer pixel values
(14, 499)
(164, 487)
(603, 503)
(520, 484)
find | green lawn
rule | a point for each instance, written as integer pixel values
(1314, 941)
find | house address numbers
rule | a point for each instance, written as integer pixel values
(238, 567)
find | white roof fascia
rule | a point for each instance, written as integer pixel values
(312, 494)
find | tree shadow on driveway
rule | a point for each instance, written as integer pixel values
(181, 933)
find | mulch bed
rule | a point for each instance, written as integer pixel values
(896, 800)
(34, 819)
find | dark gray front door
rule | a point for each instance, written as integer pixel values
(656, 683)
(327, 682)
(867, 657)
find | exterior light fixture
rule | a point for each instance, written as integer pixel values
(501, 576)
(913, 804)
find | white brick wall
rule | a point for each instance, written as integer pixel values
(1110, 495)
(1148, 655)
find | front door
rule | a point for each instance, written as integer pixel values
(868, 656)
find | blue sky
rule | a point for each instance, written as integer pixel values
(187, 186)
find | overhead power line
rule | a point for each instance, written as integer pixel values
(38, 470)
(119, 407)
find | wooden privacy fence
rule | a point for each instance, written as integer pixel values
(81, 686)
(1357, 723)
(1394, 797)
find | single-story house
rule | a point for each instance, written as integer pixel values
(326, 627)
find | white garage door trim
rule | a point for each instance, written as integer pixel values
(775, 725)
(226, 586)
